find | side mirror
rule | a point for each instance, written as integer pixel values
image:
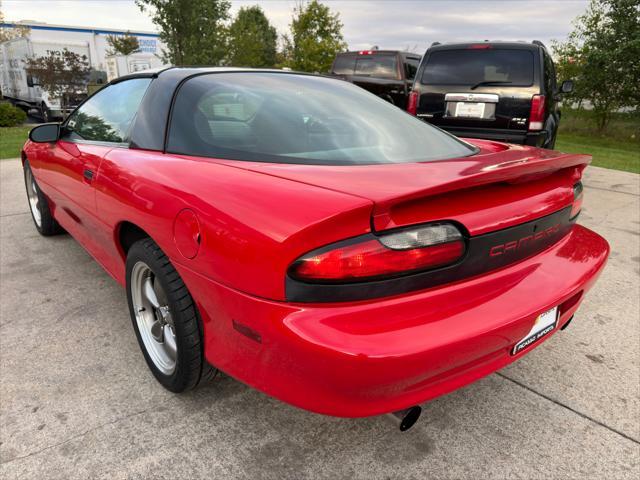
(45, 133)
(567, 86)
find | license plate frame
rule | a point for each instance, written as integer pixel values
(470, 109)
(545, 324)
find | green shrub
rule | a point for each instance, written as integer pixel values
(11, 116)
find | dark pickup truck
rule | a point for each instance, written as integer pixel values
(386, 73)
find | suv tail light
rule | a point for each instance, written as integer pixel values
(416, 249)
(412, 102)
(536, 116)
(577, 200)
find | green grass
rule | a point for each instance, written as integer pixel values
(622, 126)
(606, 152)
(618, 147)
(11, 140)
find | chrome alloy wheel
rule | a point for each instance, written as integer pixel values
(32, 194)
(153, 317)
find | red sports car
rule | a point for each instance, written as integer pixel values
(312, 240)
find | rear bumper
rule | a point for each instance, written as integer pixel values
(536, 139)
(372, 357)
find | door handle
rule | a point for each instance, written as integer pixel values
(88, 175)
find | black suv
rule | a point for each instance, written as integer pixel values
(387, 73)
(492, 90)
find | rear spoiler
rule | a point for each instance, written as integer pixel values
(517, 164)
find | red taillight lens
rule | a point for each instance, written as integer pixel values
(412, 102)
(536, 116)
(388, 255)
(577, 199)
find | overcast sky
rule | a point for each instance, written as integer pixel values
(392, 24)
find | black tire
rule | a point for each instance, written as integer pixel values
(48, 225)
(191, 368)
(552, 143)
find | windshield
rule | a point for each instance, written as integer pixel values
(289, 118)
(475, 66)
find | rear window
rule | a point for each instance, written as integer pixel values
(289, 118)
(369, 65)
(344, 65)
(382, 66)
(470, 67)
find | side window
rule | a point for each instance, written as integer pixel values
(107, 116)
(550, 73)
(411, 67)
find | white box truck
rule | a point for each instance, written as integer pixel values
(119, 65)
(22, 90)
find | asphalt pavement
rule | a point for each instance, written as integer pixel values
(77, 400)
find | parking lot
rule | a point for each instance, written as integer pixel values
(77, 399)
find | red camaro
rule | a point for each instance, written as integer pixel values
(312, 240)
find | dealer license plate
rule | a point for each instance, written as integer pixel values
(470, 109)
(545, 324)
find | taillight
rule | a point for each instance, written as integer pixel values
(393, 254)
(412, 102)
(577, 199)
(536, 116)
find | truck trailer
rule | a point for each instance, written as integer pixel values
(119, 65)
(23, 90)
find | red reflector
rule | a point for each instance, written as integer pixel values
(536, 116)
(576, 207)
(412, 102)
(570, 303)
(577, 199)
(479, 46)
(371, 259)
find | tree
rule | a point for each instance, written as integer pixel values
(122, 44)
(59, 73)
(252, 39)
(9, 33)
(95, 127)
(316, 38)
(602, 54)
(568, 67)
(193, 30)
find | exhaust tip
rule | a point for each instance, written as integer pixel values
(407, 418)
